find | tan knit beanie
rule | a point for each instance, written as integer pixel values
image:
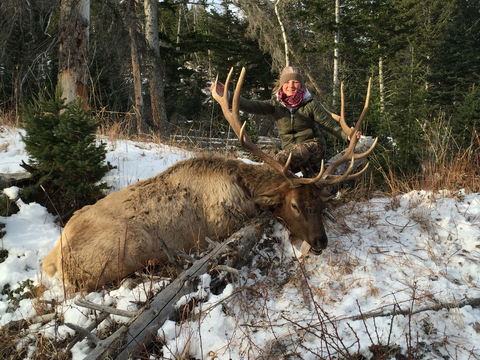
(291, 73)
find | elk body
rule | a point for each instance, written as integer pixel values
(122, 232)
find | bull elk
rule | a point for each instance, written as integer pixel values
(122, 232)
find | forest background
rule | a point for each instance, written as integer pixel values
(423, 57)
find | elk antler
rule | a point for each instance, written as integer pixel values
(324, 178)
(327, 177)
(233, 118)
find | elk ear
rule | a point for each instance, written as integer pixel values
(267, 199)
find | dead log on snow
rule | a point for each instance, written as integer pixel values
(142, 330)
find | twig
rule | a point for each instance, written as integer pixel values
(168, 251)
(42, 318)
(81, 335)
(210, 241)
(153, 277)
(227, 269)
(85, 332)
(232, 214)
(27, 167)
(184, 255)
(107, 309)
(472, 302)
(108, 347)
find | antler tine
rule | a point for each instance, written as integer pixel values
(314, 180)
(233, 118)
(349, 154)
(346, 129)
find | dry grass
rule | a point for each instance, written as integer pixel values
(10, 118)
(446, 166)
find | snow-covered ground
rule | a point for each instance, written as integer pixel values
(417, 252)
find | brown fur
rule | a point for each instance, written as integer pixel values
(119, 234)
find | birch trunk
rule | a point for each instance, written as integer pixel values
(381, 83)
(179, 26)
(336, 57)
(284, 34)
(73, 49)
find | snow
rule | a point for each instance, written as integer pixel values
(409, 252)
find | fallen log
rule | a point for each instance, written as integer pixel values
(142, 330)
(10, 177)
(18, 325)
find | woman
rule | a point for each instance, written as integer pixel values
(300, 121)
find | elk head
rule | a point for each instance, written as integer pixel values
(297, 201)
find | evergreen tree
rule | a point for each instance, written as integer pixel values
(455, 65)
(68, 164)
(466, 121)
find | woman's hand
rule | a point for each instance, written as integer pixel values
(220, 88)
(358, 133)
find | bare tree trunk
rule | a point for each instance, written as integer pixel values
(284, 34)
(381, 83)
(179, 27)
(336, 58)
(137, 84)
(156, 73)
(73, 49)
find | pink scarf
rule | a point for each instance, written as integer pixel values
(292, 100)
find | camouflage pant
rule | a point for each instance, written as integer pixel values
(306, 157)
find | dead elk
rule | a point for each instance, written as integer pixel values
(181, 206)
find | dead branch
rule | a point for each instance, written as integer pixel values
(89, 328)
(18, 325)
(28, 167)
(85, 332)
(227, 269)
(108, 347)
(103, 308)
(475, 302)
(10, 177)
(152, 277)
(168, 252)
(185, 256)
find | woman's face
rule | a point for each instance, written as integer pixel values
(291, 87)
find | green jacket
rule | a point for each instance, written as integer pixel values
(298, 125)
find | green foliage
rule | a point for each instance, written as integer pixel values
(466, 121)
(27, 60)
(61, 142)
(25, 290)
(3, 252)
(455, 65)
(216, 43)
(7, 206)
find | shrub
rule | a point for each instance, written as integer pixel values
(68, 164)
(7, 206)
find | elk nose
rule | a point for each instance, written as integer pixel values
(320, 244)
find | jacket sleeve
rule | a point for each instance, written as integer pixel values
(257, 107)
(326, 122)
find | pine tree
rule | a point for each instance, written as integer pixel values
(466, 121)
(68, 163)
